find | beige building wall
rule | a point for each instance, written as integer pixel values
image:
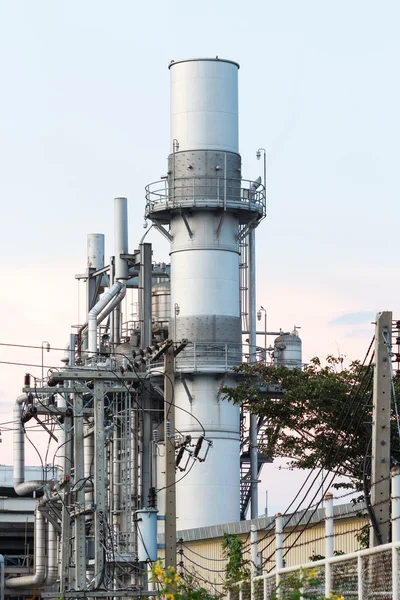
(204, 557)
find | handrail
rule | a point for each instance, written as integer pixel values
(193, 190)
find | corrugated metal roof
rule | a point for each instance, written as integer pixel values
(340, 511)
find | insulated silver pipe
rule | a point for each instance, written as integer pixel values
(121, 237)
(1, 577)
(52, 562)
(103, 308)
(116, 476)
(88, 452)
(21, 486)
(40, 558)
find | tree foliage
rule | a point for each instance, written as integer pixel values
(320, 416)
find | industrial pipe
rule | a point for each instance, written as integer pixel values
(40, 558)
(21, 486)
(46, 571)
(121, 237)
(52, 562)
(104, 306)
(115, 302)
(1, 577)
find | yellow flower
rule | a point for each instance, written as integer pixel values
(313, 574)
(158, 571)
(170, 596)
(177, 578)
(168, 580)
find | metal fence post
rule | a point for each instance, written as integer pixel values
(360, 586)
(395, 496)
(329, 541)
(395, 473)
(254, 555)
(278, 550)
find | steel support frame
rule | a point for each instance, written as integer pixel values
(100, 524)
(169, 432)
(79, 474)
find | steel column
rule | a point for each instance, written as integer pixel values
(169, 432)
(99, 481)
(253, 355)
(79, 474)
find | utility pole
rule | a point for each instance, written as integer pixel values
(380, 468)
(169, 433)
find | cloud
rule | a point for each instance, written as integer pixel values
(354, 318)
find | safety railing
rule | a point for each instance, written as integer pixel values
(370, 573)
(213, 192)
(210, 357)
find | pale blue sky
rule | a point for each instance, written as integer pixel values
(84, 117)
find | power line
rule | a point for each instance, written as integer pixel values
(19, 364)
(349, 406)
(358, 391)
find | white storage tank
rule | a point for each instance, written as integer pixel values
(288, 351)
(161, 303)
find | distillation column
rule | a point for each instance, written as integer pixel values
(206, 209)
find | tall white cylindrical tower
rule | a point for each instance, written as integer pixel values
(207, 212)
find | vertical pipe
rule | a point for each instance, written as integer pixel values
(1, 577)
(117, 324)
(116, 475)
(329, 541)
(252, 352)
(254, 556)
(111, 283)
(145, 288)
(121, 237)
(395, 473)
(278, 549)
(95, 261)
(52, 562)
(40, 558)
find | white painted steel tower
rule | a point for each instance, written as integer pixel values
(208, 210)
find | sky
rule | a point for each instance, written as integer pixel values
(84, 117)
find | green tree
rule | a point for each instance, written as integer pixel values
(320, 416)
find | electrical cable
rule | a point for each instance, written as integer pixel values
(337, 427)
(324, 479)
(177, 480)
(19, 364)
